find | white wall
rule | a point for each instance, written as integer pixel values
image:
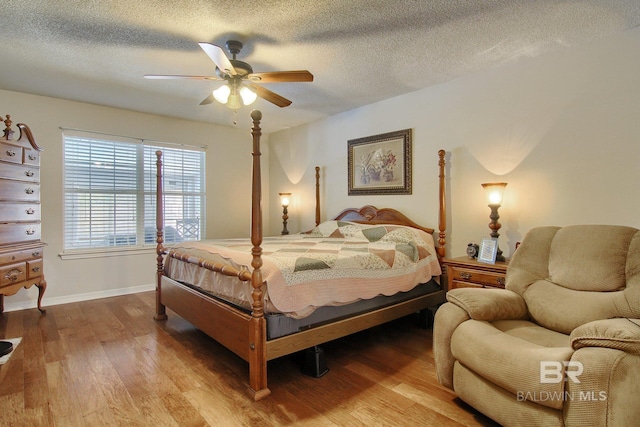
(228, 175)
(562, 129)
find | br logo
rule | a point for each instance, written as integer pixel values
(553, 372)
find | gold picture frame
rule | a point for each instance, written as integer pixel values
(380, 164)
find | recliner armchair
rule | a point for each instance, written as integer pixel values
(561, 344)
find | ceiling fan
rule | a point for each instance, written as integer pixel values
(240, 88)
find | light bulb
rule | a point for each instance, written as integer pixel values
(494, 198)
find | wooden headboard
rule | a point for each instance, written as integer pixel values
(372, 215)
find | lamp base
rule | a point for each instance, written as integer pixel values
(494, 226)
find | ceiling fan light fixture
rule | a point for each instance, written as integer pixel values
(222, 94)
(248, 96)
(233, 93)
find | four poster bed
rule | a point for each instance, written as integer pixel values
(266, 298)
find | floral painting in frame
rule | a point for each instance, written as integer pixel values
(380, 164)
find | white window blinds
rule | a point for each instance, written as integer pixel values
(110, 185)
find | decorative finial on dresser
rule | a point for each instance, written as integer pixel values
(8, 133)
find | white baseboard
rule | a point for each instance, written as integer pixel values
(48, 302)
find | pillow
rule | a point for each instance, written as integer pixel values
(339, 229)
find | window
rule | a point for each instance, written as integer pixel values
(109, 192)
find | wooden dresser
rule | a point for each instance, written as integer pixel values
(21, 249)
(464, 272)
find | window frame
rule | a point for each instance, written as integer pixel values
(145, 191)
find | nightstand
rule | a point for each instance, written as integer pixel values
(464, 272)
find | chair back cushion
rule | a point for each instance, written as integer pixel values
(572, 275)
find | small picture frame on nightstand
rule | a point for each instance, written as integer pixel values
(488, 250)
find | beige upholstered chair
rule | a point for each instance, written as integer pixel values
(560, 346)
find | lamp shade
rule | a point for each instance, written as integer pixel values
(222, 94)
(248, 96)
(494, 191)
(234, 100)
(285, 199)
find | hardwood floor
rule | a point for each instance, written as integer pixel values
(107, 362)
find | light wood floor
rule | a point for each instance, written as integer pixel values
(107, 362)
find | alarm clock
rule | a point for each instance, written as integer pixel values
(472, 250)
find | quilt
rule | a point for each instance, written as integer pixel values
(338, 262)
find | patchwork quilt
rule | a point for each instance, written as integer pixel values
(338, 262)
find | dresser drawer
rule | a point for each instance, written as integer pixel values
(455, 284)
(23, 173)
(11, 153)
(463, 272)
(13, 273)
(11, 212)
(19, 191)
(488, 278)
(34, 268)
(20, 232)
(31, 157)
(9, 257)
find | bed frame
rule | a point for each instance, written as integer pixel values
(245, 334)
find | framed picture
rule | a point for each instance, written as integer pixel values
(488, 250)
(380, 164)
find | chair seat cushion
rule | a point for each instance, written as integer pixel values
(517, 355)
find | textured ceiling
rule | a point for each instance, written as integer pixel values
(360, 51)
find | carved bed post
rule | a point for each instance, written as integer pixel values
(317, 195)
(258, 327)
(160, 308)
(442, 219)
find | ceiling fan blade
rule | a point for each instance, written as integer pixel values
(272, 97)
(178, 76)
(208, 100)
(281, 76)
(218, 56)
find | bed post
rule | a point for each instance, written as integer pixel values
(317, 195)
(160, 308)
(258, 327)
(442, 219)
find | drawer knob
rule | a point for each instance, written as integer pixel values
(36, 254)
(30, 211)
(29, 173)
(500, 281)
(31, 231)
(13, 274)
(35, 269)
(466, 276)
(28, 190)
(32, 157)
(11, 153)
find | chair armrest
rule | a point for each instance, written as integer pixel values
(489, 304)
(620, 334)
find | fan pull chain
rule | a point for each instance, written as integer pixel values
(235, 117)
